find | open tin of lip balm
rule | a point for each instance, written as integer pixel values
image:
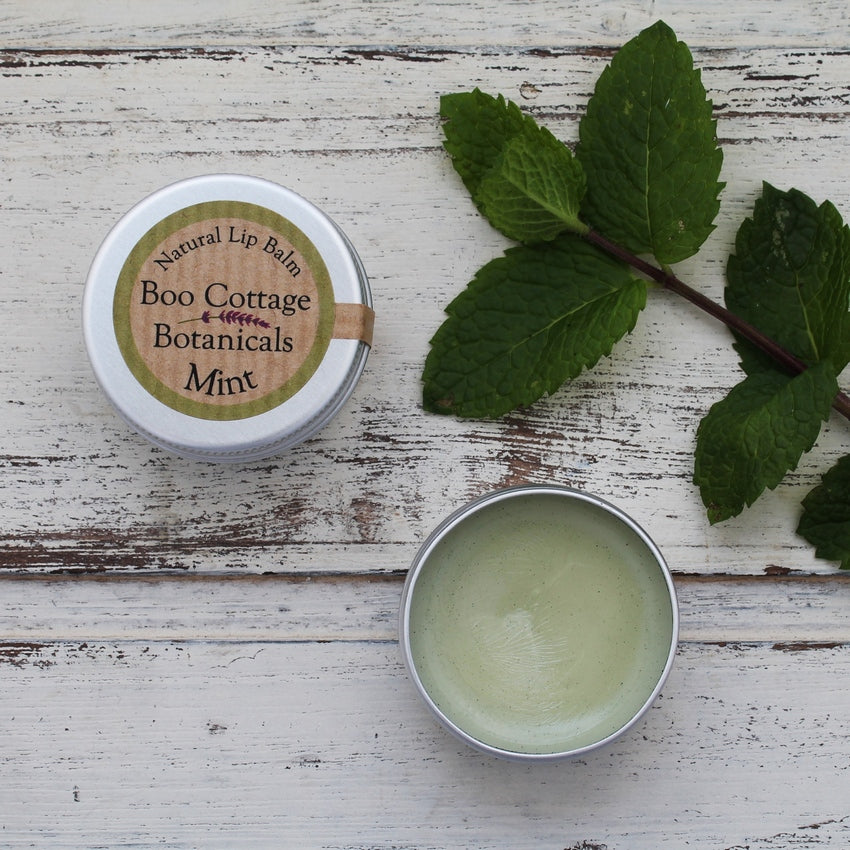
(227, 318)
(539, 623)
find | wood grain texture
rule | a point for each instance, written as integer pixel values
(235, 607)
(445, 22)
(104, 130)
(205, 656)
(327, 746)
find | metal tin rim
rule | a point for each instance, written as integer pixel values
(455, 519)
(240, 439)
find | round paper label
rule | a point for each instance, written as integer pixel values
(223, 310)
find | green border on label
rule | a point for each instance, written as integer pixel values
(192, 215)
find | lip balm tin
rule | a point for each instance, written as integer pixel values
(227, 318)
(538, 623)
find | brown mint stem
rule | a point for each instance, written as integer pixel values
(841, 402)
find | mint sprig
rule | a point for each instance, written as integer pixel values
(642, 193)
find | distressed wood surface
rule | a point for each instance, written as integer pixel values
(202, 656)
(325, 745)
(88, 135)
(446, 22)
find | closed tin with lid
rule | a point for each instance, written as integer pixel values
(227, 318)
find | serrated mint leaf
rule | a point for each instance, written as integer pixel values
(790, 278)
(649, 150)
(534, 190)
(825, 522)
(477, 127)
(524, 181)
(527, 322)
(748, 441)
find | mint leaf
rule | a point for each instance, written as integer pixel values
(826, 515)
(525, 182)
(790, 278)
(649, 151)
(527, 322)
(477, 127)
(533, 192)
(750, 439)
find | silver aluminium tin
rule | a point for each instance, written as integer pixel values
(457, 518)
(227, 318)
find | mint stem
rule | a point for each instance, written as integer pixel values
(669, 281)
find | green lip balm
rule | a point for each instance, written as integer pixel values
(539, 623)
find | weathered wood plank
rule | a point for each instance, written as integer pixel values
(446, 22)
(785, 610)
(257, 97)
(327, 746)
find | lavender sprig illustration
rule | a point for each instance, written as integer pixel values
(230, 317)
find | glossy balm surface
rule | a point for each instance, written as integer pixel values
(540, 624)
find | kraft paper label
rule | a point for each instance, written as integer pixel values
(224, 310)
(354, 321)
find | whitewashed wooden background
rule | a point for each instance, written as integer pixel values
(196, 656)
